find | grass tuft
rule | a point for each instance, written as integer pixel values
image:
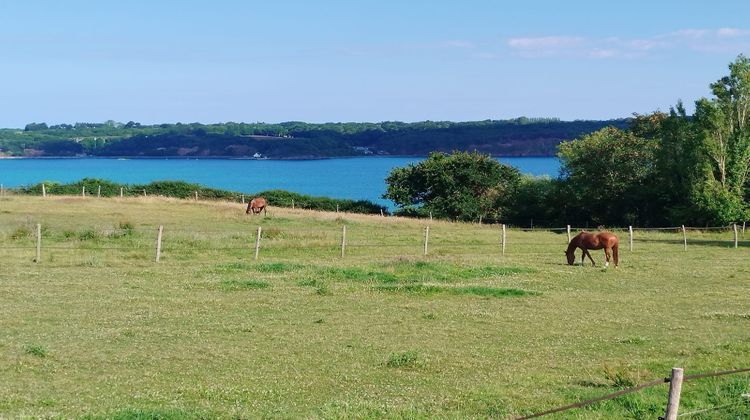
(276, 267)
(426, 289)
(406, 359)
(21, 232)
(624, 377)
(35, 350)
(632, 340)
(232, 285)
(88, 235)
(323, 290)
(149, 414)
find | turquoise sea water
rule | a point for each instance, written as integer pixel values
(353, 178)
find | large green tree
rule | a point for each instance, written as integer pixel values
(608, 174)
(458, 186)
(723, 130)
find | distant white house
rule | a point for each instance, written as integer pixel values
(361, 149)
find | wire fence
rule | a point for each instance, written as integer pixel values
(348, 240)
(674, 393)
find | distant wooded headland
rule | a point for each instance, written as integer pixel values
(295, 140)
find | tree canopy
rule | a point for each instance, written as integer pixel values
(662, 169)
(458, 186)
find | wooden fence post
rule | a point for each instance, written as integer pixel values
(99, 191)
(44, 190)
(257, 243)
(38, 243)
(734, 228)
(243, 199)
(381, 213)
(684, 237)
(430, 215)
(2, 190)
(673, 401)
(426, 238)
(568, 233)
(158, 242)
(630, 234)
(743, 230)
(83, 191)
(502, 239)
(292, 204)
(144, 192)
(343, 240)
(120, 192)
(337, 208)
(196, 196)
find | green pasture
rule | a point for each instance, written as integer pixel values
(98, 329)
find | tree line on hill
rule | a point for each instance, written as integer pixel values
(515, 137)
(663, 169)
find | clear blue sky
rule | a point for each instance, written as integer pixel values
(318, 61)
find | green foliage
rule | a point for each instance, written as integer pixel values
(723, 129)
(283, 198)
(186, 190)
(545, 201)
(459, 186)
(520, 136)
(608, 174)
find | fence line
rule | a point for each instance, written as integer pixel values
(675, 378)
(328, 239)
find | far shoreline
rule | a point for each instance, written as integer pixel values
(244, 158)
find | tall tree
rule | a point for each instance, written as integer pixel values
(723, 127)
(458, 186)
(609, 173)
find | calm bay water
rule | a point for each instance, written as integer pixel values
(354, 178)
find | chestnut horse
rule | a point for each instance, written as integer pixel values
(256, 205)
(586, 241)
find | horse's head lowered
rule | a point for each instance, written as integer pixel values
(571, 256)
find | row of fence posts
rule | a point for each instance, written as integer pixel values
(122, 193)
(242, 200)
(160, 235)
(195, 195)
(682, 228)
(425, 243)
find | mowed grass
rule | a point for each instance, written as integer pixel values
(97, 329)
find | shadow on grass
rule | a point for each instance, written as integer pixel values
(424, 289)
(728, 243)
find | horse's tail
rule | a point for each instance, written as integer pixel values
(614, 254)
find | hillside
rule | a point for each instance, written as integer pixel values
(294, 140)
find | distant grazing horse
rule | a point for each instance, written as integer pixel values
(256, 205)
(587, 241)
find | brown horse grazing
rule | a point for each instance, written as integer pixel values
(256, 205)
(586, 241)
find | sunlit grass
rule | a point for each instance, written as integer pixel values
(99, 329)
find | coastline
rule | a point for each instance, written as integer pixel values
(293, 158)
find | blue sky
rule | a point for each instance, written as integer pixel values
(318, 61)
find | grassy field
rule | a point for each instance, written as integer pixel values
(98, 329)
